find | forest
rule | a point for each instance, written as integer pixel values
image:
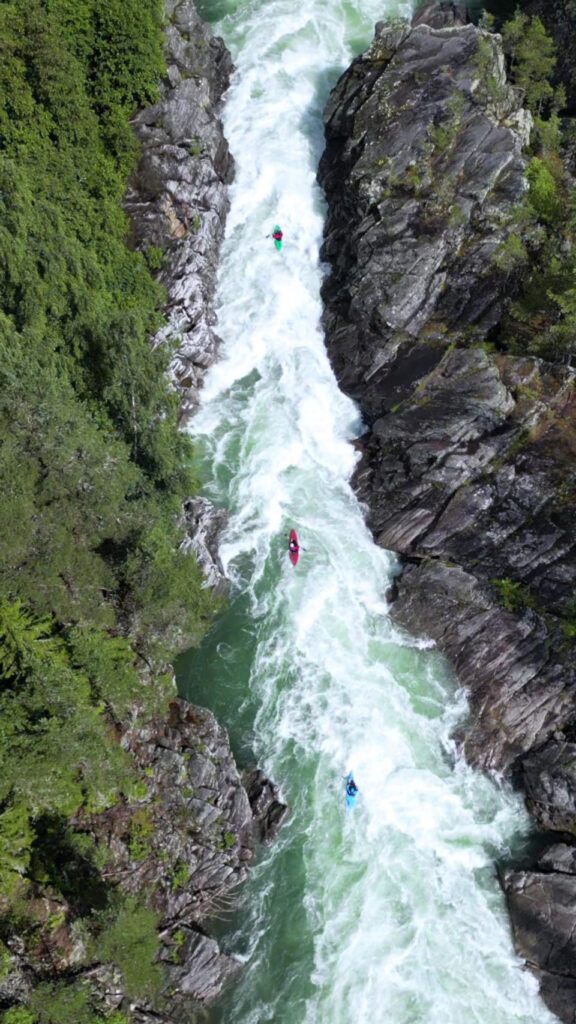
(95, 594)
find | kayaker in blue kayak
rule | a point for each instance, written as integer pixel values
(351, 790)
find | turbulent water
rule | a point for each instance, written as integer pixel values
(390, 912)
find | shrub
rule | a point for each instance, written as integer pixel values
(543, 194)
(532, 56)
(511, 254)
(130, 941)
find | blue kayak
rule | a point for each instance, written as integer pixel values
(351, 790)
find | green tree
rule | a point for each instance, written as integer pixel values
(94, 472)
(129, 940)
(532, 57)
(18, 1015)
(544, 195)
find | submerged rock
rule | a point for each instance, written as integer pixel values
(177, 200)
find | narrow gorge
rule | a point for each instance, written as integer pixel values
(397, 384)
(467, 460)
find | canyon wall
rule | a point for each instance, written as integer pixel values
(467, 465)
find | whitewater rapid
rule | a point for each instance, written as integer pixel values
(392, 912)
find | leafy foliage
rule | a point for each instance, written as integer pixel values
(62, 1004)
(92, 578)
(129, 941)
(544, 195)
(532, 57)
(539, 256)
(513, 596)
(18, 1015)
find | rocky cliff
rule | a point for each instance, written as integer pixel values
(184, 846)
(189, 844)
(203, 820)
(468, 460)
(178, 197)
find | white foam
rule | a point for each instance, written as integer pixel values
(389, 912)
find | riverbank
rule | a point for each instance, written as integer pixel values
(467, 462)
(124, 821)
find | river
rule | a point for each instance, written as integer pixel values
(389, 913)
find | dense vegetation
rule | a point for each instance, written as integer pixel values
(539, 255)
(92, 584)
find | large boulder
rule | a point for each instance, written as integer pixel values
(204, 523)
(422, 170)
(542, 905)
(183, 848)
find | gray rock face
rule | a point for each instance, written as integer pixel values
(548, 777)
(178, 197)
(439, 15)
(204, 524)
(467, 466)
(183, 848)
(542, 905)
(518, 689)
(422, 169)
(465, 474)
(202, 831)
(269, 813)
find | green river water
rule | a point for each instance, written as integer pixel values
(390, 913)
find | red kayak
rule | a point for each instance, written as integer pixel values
(293, 547)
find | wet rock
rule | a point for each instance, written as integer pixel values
(548, 777)
(440, 15)
(518, 687)
(422, 170)
(542, 905)
(466, 466)
(205, 969)
(183, 848)
(204, 524)
(177, 199)
(269, 813)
